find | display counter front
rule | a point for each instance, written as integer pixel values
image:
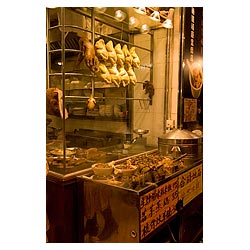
(61, 188)
(132, 208)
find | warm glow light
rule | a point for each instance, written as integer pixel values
(155, 16)
(133, 22)
(144, 29)
(120, 15)
(140, 10)
(168, 23)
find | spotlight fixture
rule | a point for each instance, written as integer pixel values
(145, 29)
(133, 22)
(100, 9)
(168, 23)
(140, 10)
(120, 15)
(155, 16)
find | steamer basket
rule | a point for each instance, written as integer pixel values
(188, 142)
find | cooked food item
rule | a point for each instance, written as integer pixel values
(91, 102)
(104, 73)
(149, 89)
(136, 60)
(115, 76)
(196, 75)
(112, 57)
(102, 165)
(95, 154)
(124, 76)
(127, 55)
(54, 103)
(131, 73)
(59, 152)
(120, 54)
(88, 53)
(101, 51)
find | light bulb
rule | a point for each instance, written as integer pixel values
(168, 23)
(144, 29)
(133, 22)
(155, 16)
(140, 10)
(120, 15)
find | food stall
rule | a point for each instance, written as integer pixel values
(113, 104)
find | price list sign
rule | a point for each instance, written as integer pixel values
(190, 184)
(157, 206)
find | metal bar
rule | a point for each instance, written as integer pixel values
(106, 97)
(69, 26)
(99, 18)
(47, 48)
(93, 41)
(182, 44)
(63, 85)
(122, 41)
(71, 74)
(167, 80)
(66, 50)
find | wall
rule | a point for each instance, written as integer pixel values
(151, 117)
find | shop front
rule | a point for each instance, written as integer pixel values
(124, 138)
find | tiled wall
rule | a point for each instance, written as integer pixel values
(152, 116)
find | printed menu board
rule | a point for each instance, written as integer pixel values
(190, 184)
(157, 206)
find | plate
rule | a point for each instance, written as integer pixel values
(59, 152)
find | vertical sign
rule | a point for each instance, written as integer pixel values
(191, 50)
(190, 184)
(157, 206)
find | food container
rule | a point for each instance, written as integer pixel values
(102, 169)
(125, 170)
(183, 140)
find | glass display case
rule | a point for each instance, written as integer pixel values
(95, 115)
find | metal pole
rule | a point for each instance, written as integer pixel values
(182, 45)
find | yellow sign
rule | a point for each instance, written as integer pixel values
(157, 206)
(190, 184)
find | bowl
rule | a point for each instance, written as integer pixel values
(102, 169)
(141, 131)
(125, 170)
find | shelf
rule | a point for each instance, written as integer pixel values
(98, 118)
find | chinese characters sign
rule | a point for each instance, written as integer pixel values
(157, 206)
(190, 184)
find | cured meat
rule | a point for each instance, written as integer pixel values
(131, 73)
(101, 51)
(115, 76)
(112, 57)
(135, 60)
(54, 102)
(127, 55)
(124, 76)
(104, 73)
(120, 55)
(88, 54)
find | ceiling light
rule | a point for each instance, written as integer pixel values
(168, 23)
(133, 22)
(140, 10)
(144, 29)
(120, 15)
(155, 16)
